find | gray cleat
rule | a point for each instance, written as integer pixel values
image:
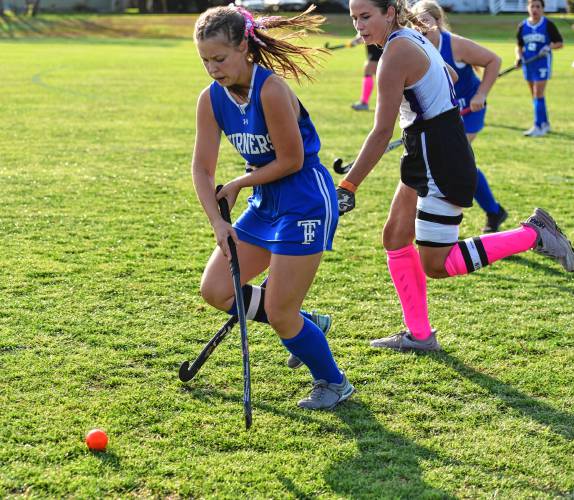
(360, 106)
(325, 396)
(551, 240)
(323, 321)
(404, 341)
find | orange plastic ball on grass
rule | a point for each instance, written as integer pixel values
(97, 440)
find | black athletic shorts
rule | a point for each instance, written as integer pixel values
(374, 53)
(438, 160)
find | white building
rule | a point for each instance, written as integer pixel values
(496, 6)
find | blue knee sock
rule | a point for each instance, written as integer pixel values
(311, 347)
(540, 114)
(484, 196)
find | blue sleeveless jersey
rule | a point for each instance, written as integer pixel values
(296, 214)
(534, 38)
(245, 127)
(468, 82)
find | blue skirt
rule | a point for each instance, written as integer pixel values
(539, 70)
(295, 215)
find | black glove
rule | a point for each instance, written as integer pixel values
(345, 200)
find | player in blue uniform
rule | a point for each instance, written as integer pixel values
(291, 216)
(537, 36)
(438, 173)
(462, 55)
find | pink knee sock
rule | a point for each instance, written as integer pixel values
(411, 285)
(473, 253)
(368, 85)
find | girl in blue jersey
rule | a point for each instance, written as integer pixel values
(462, 55)
(536, 37)
(438, 174)
(291, 216)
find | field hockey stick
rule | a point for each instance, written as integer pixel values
(347, 45)
(187, 371)
(520, 64)
(235, 273)
(339, 168)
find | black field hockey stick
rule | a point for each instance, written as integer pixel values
(235, 273)
(339, 168)
(328, 46)
(187, 371)
(520, 64)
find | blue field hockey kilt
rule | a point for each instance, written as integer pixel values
(532, 38)
(294, 215)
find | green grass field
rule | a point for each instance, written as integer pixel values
(103, 244)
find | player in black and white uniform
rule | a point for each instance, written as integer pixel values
(438, 173)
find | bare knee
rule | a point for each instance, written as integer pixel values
(277, 317)
(396, 236)
(280, 318)
(216, 295)
(434, 269)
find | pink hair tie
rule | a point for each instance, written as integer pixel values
(250, 24)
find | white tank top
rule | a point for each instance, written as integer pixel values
(434, 93)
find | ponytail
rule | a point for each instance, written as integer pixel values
(275, 53)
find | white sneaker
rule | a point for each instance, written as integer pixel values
(535, 131)
(546, 127)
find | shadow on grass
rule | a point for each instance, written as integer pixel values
(560, 279)
(522, 129)
(108, 459)
(545, 266)
(386, 464)
(208, 394)
(558, 421)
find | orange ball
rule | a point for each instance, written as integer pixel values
(97, 440)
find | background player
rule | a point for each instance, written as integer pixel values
(370, 70)
(537, 35)
(462, 55)
(292, 215)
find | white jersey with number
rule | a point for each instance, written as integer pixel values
(434, 93)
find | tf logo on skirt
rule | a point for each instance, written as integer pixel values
(308, 230)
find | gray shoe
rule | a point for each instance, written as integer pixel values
(325, 396)
(360, 106)
(404, 341)
(323, 321)
(551, 240)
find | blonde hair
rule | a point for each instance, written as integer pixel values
(404, 16)
(274, 53)
(435, 10)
